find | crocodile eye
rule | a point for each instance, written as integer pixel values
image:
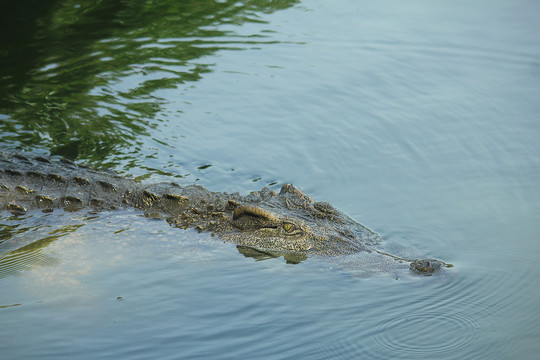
(288, 227)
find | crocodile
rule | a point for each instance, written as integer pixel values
(289, 223)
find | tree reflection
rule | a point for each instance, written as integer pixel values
(80, 79)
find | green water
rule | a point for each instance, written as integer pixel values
(85, 80)
(417, 118)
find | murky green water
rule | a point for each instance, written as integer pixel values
(419, 119)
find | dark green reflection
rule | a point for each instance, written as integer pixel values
(80, 78)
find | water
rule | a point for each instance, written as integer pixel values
(419, 119)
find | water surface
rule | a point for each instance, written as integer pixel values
(419, 119)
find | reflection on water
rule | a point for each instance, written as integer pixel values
(65, 252)
(24, 240)
(83, 80)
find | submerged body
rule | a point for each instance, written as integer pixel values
(287, 223)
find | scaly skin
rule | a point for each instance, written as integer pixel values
(289, 223)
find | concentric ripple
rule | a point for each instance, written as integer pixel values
(426, 333)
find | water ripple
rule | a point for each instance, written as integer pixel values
(413, 333)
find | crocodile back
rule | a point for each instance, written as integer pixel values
(30, 183)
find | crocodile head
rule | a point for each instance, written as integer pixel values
(292, 221)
